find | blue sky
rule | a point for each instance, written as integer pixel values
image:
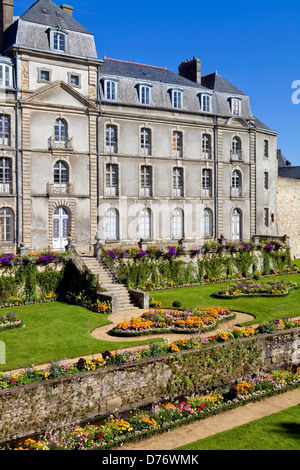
(254, 45)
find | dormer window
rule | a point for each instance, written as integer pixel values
(110, 89)
(145, 94)
(236, 106)
(58, 40)
(206, 103)
(176, 99)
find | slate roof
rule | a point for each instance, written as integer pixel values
(289, 172)
(261, 125)
(145, 72)
(45, 12)
(215, 82)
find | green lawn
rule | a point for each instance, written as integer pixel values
(262, 309)
(53, 331)
(280, 431)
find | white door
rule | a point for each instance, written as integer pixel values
(236, 224)
(61, 228)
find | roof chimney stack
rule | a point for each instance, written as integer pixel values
(68, 9)
(191, 69)
(6, 19)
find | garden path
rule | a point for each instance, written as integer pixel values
(216, 424)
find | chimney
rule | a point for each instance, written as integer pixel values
(6, 19)
(67, 9)
(191, 69)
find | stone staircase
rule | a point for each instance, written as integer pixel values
(110, 283)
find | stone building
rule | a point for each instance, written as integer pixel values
(119, 151)
(288, 196)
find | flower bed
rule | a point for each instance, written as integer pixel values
(44, 257)
(117, 430)
(9, 321)
(251, 289)
(173, 321)
(107, 359)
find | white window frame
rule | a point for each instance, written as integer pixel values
(5, 130)
(112, 179)
(177, 189)
(146, 181)
(6, 76)
(55, 43)
(145, 94)
(177, 223)
(145, 141)
(236, 106)
(207, 182)
(111, 224)
(145, 224)
(110, 89)
(61, 172)
(206, 146)
(177, 99)
(7, 221)
(206, 103)
(207, 223)
(61, 131)
(177, 140)
(111, 138)
(5, 175)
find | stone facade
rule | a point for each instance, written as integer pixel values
(288, 211)
(84, 396)
(120, 151)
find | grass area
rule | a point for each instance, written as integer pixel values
(53, 331)
(279, 431)
(56, 331)
(263, 309)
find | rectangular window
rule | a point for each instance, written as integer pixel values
(266, 148)
(5, 76)
(44, 76)
(206, 103)
(178, 182)
(145, 94)
(236, 107)
(59, 42)
(5, 175)
(111, 139)
(145, 141)
(266, 180)
(110, 90)
(146, 181)
(177, 144)
(206, 183)
(112, 177)
(206, 146)
(266, 217)
(177, 99)
(74, 80)
(4, 130)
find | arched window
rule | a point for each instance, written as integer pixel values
(61, 172)
(5, 175)
(60, 133)
(236, 224)
(6, 225)
(112, 224)
(236, 151)
(236, 186)
(177, 223)
(145, 224)
(207, 223)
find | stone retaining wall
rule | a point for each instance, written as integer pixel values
(83, 396)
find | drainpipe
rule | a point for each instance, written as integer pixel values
(17, 154)
(98, 150)
(215, 178)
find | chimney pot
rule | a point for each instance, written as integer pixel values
(68, 9)
(6, 19)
